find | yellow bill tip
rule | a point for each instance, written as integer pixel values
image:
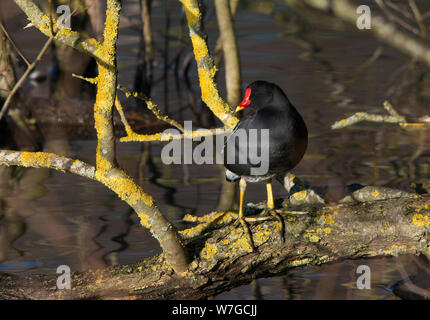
(239, 108)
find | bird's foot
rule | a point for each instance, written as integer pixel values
(247, 232)
(272, 212)
(291, 212)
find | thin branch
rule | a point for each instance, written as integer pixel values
(47, 160)
(394, 117)
(24, 76)
(418, 17)
(151, 106)
(188, 134)
(396, 19)
(65, 36)
(130, 93)
(206, 67)
(230, 49)
(14, 45)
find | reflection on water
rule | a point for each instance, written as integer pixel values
(49, 218)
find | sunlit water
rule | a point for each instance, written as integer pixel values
(65, 219)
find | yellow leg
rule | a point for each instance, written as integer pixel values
(270, 202)
(242, 188)
(271, 208)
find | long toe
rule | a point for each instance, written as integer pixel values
(247, 232)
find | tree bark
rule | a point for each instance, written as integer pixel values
(222, 259)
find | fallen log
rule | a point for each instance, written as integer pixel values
(223, 259)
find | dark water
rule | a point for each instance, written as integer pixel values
(58, 218)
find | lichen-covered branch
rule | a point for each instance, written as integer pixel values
(149, 103)
(299, 193)
(393, 117)
(68, 37)
(206, 66)
(47, 160)
(223, 259)
(151, 106)
(107, 171)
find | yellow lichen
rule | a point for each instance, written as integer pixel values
(300, 262)
(128, 190)
(199, 47)
(263, 233)
(144, 219)
(395, 249)
(239, 243)
(420, 220)
(324, 219)
(314, 238)
(412, 125)
(291, 219)
(375, 193)
(209, 250)
(301, 195)
(315, 235)
(36, 159)
(192, 12)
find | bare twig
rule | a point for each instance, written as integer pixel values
(394, 117)
(396, 19)
(418, 17)
(14, 45)
(24, 76)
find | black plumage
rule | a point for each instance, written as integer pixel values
(288, 136)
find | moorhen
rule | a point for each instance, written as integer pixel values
(287, 141)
